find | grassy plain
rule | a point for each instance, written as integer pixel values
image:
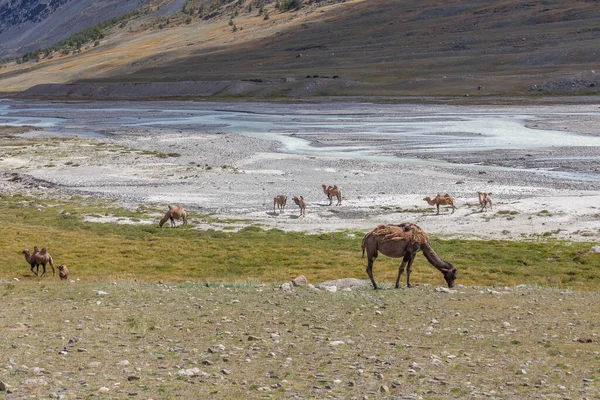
(105, 251)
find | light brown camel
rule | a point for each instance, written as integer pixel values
(279, 201)
(39, 258)
(485, 200)
(300, 202)
(63, 272)
(403, 241)
(173, 214)
(331, 191)
(441, 200)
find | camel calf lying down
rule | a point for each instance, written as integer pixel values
(279, 201)
(300, 202)
(331, 191)
(485, 200)
(39, 258)
(440, 200)
(173, 214)
(403, 241)
(63, 272)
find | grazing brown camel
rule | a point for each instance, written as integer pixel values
(173, 214)
(39, 258)
(485, 200)
(300, 202)
(279, 201)
(441, 200)
(63, 272)
(403, 241)
(331, 191)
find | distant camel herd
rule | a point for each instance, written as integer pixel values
(404, 240)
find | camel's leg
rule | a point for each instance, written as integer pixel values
(400, 271)
(52, 266)
(44, 267)
(438, 209)
(411, 258)
(370, 262)
(330, 200)
(33, 265)
(453, 208)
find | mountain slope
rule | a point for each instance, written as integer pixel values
(380, 47)
(28, 25)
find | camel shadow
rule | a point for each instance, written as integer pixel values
(273, 213)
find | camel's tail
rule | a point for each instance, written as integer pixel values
(364, 245)
(51, 261)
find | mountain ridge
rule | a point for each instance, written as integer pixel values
(376, 47)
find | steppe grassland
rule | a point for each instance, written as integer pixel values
(250, 340)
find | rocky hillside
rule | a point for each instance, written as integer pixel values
(27, 25)
(355, 47)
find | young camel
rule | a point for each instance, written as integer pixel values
(39, 258)
(63, 272)
(279, 201)
(440, 200)
(331, 191)
(300, 202)
(485, 200)
(403, 241)
(173, 214)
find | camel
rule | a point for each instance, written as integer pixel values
(279, 201)
(440, 200)
(39, 258)
(485, 200)
(331, 191)
(173, 214)
(301, 203)
(63, 272)
(403, 241)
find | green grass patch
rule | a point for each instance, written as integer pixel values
(111, 251)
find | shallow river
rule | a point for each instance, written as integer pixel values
(416, 134)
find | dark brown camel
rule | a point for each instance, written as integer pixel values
(403, 241)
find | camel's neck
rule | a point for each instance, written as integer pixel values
(434, 259)
(431, 202)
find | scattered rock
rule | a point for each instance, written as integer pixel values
(341, 284)
(336, 343)
(584, 340)
(331, 289)
(384, 389)
(2, 386)
(300, 281)
(595, 249)
(34, 382)
(124, 363)
(131, 378)
(287, 287)
(191, 372)
(101, 293)
(442, 289)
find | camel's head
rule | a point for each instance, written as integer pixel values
(26, 252)
(450, 275)
(427, 198)
(61, 268)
